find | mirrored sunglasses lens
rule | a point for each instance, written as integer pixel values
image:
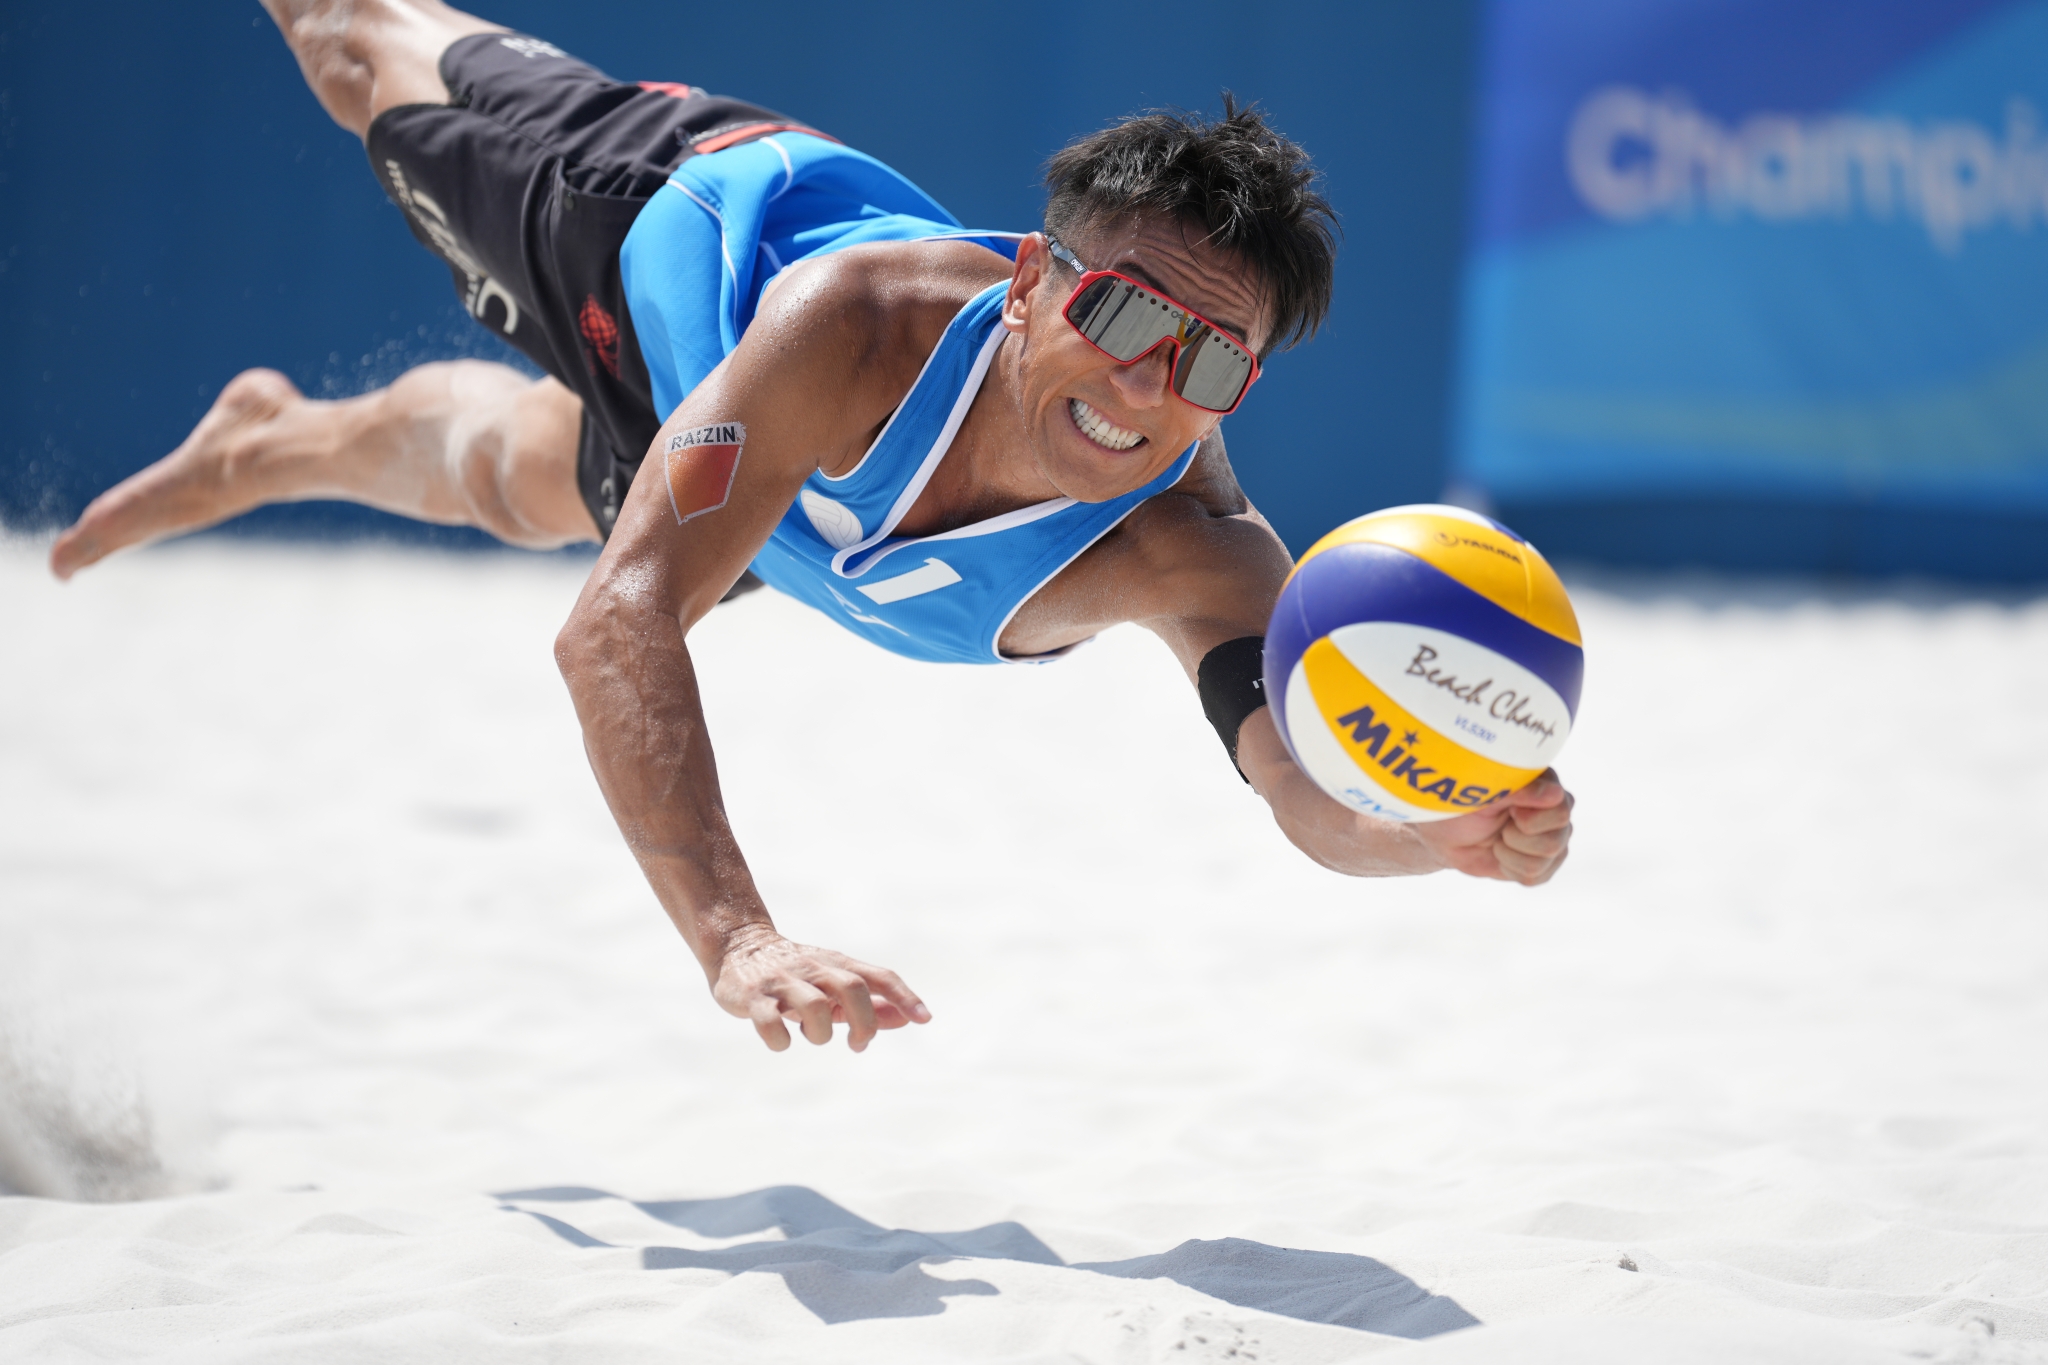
(1212, 372)
(1121, 318)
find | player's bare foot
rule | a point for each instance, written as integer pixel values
(207, 479)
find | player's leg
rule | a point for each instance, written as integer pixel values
(464, 443)
(362, 57)
(468, 443)
(526, 187)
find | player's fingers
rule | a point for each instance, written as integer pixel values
(1543, 790)
(1549, 869)
(850, 995)
(1544, 843)
(811, 1008)
(1470, 830)
(892, 996)
(1528, 869)
(767, 1017)
(1536, 822)
(1537, 818)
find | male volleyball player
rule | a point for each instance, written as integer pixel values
(771, 357)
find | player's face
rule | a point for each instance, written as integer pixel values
(1100, 429)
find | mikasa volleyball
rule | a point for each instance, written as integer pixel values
(1422, 662)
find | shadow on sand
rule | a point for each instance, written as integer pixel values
(844, 1268)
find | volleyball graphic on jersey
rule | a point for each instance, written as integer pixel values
(1423, 662)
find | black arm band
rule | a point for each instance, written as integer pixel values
(1232, 682)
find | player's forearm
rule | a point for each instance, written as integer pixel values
(1339, 839)
(635, 689)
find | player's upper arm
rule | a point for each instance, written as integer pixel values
(1208, 568)
(731, 459)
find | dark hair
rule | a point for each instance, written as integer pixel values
(1251, 189)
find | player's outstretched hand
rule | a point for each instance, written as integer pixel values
(1522, 839)
(773, 982)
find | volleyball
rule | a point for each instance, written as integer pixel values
(1423, 662)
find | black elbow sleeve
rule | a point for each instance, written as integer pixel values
(1232, 684)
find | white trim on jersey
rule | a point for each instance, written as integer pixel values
(719, 218)
(1008, 521)
(995, 646)
(875, 444)
(925, 470)
(788, 169)
(969, 232)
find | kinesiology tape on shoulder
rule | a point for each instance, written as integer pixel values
(1232, 682)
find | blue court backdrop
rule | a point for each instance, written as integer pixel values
(1729, 282)
(176, 207)
(1762, 283)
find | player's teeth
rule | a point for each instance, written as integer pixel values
(1100, 429)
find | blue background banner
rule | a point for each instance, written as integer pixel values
(175, 207)
(1745, 284)
(1763, 284)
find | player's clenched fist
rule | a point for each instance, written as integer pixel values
(1523, 838)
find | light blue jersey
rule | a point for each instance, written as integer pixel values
(943, 597)
(725, 224)
(694, 266)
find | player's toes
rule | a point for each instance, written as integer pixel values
(108, 523)
(195, 486)
(113, 520)
(72, 552)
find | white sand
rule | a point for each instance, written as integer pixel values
(313, 925)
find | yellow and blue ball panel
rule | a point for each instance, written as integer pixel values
(1469, 549)
(1422, 662)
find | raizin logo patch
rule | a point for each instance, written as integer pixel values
(701, 465)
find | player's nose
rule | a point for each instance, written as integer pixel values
(1146, 381)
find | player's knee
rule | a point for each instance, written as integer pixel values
(500, 489)
(515, 455)
(482, 471)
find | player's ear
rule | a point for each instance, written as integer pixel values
(1024, 281)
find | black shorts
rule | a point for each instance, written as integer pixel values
(526, 183)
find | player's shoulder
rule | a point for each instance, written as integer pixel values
(882, 304)
(1206, 494)
(1198, 551)
(1202, 527)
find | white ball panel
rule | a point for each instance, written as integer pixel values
(1483, 701)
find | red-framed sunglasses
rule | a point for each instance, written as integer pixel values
(1127, 321)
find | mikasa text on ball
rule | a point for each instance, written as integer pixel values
(1423, 662)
